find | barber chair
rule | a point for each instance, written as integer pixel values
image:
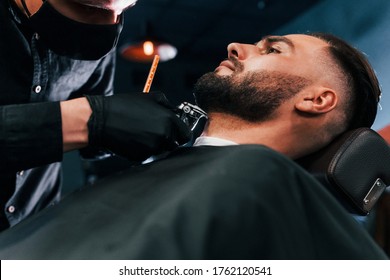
(355, 168)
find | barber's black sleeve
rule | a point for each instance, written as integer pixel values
(30, 135)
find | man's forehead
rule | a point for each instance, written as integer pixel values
(306, 39)
(302, 42)
(295, 39)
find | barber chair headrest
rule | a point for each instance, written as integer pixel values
(355, 167)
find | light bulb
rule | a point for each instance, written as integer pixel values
(148, 48)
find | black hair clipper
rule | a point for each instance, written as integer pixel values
(190, 114)
(194, 117)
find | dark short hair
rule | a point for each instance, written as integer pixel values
(364, 84)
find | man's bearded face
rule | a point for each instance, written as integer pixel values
(252, 96)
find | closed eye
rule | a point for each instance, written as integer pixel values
(268, 48)
(272, 50)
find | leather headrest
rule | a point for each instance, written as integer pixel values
(355, 167)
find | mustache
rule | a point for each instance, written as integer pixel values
(238, 66)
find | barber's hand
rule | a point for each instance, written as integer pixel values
(135, 126)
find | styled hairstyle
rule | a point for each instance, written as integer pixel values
(364, 86)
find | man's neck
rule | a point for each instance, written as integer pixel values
(278, 135)
(32, 6)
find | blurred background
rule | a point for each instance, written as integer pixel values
(200, 31)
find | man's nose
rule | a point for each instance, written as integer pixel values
(240, 51)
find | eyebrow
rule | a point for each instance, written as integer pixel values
(277, 39)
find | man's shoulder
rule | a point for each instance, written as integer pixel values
(231, 156)
(257, 164)
(229, 152)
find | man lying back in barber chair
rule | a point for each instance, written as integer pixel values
(281, 99)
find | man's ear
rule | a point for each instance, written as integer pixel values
(317, 101)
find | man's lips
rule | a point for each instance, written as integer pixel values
(228, 64)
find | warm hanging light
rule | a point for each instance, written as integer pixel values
(148, 48)
(145, 49)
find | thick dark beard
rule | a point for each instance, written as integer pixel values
(253, 96)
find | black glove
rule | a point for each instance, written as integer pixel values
(135, 126)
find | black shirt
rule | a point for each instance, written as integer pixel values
(33, 80)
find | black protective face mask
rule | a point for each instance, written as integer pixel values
(74, 39)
